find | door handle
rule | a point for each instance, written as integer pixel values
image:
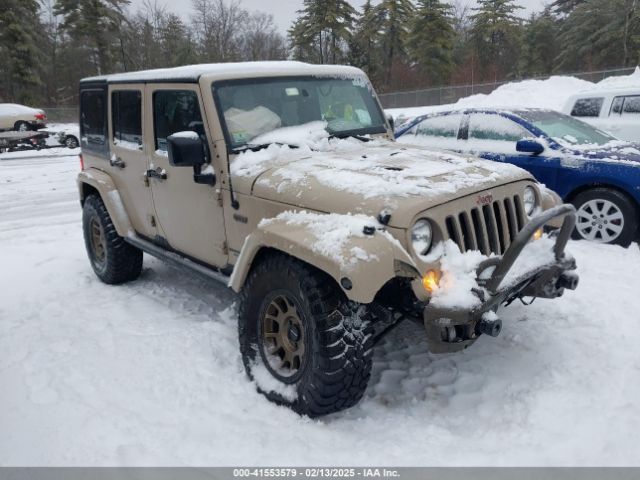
(159, 173)
(118, 162)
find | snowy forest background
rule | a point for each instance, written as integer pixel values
(46, 46)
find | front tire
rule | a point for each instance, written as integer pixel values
(303, 343)
(605, 216)
(113, 260)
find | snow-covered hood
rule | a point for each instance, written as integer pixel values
(351, 176)
(617, 151)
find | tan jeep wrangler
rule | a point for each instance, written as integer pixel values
(282, 180)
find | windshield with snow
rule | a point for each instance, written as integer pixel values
(254, 107)
(565, 130)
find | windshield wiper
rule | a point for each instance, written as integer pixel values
(362, 138)
(254, 147)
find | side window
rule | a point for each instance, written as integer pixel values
(126, 118)
(616, 106)
(93, 120)
(484, 126)
(175, 111)
(631, 106)
(587, 107)
(445, 126)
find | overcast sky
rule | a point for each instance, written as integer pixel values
(284, 11)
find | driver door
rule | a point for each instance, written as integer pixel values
(188, 215)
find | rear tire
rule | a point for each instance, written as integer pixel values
(605, 216)
(301, 340)
(71, 142)
(22, 127)
(113, 260)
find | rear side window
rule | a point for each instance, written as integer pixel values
(445, 126)
(631, 105)
(175, 111)
(587, 107)
(126, 118)
(93, 120)
(616, 106)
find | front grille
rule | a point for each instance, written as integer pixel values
(488, 228)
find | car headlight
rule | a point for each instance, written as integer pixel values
(421, 236)
(530, 200)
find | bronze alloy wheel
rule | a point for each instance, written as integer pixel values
(283, 338)
(97, 241)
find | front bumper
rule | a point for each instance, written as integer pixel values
(450, 330)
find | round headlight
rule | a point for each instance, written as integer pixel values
(530, 200)
(421, 236)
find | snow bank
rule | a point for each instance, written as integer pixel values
(624, 81)
(551, 93)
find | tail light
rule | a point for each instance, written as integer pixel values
(81, 162)
(40, 116)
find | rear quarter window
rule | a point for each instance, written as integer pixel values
(93, 121)
(587, 107)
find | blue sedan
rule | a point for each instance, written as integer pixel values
(596, 172)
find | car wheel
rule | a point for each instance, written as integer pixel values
(71, 142)
(302, 342)
(113, 260)
(605, 216)
(22, 127)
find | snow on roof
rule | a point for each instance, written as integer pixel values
(194, 72)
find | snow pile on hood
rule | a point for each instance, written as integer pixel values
(459, 271)
(311, 135)
(377, 168)
(551, 93)
(624, 81)
(332, 232)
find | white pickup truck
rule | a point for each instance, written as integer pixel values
(616, 111)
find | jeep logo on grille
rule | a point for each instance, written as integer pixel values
(484, 199)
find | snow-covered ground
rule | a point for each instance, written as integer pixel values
(149, 373)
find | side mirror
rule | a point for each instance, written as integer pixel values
(529, 146)
(391, 121)
(185, 149)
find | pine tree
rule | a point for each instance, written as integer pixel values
(365, 42)
(21, 56)
(565, 6)
(600, 34)
(396, 16)
(430, 41)
(322, 31)
(97, 23)
(496, 37)
(540, 44)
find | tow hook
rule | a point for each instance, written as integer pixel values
(490, 327)
(568, 280)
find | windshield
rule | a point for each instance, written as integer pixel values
(565, 130)
(251, 108)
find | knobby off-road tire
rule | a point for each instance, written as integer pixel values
(605, 216)
(323, 362)
(113, 260)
